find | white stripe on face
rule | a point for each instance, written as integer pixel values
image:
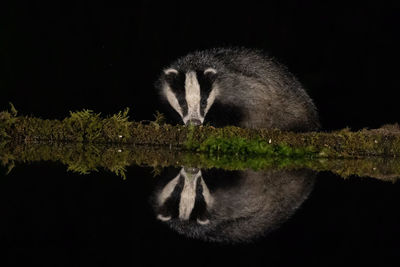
(211, 98)
(206, 194)
(188, 195)
(192, 89)
(167, 190)
(173, 101)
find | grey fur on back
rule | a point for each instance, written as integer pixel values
(267, 94)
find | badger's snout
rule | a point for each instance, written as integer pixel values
(194, 122)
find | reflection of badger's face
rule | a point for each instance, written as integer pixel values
(234, 206)
(190, 93)
(188, 192)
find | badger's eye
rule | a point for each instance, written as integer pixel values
(171, 78)
(203, 103)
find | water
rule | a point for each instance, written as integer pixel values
(274, 216)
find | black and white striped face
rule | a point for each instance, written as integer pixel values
(186, 197)
(191, 94)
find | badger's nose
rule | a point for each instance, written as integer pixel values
(191, 170)
(194, 122)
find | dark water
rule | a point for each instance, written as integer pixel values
(53, 217)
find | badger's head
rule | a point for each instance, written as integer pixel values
(185, 198)
(190, 93)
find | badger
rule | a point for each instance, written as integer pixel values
(236, 86)
(230, 207)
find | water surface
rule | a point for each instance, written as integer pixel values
(53, 213)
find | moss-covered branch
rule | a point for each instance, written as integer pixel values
(89, 127)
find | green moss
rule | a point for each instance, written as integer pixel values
(159, 118)
(89, 127)
(85, 124)
(242, 146)
(13, 110)
(86, 158)
(7, 120)
(86, 142)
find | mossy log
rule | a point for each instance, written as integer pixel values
(88, 127)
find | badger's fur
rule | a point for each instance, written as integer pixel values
(239, 87)
(230, 207)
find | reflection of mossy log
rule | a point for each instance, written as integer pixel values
(88, 127)
(86, 158)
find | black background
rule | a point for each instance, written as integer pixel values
(61, 57)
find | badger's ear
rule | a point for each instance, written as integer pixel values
(170, 71)
(211, 74)
(203, 222)
(170, 75)
(210, 71)
(163, 218)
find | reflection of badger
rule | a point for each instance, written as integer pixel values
(242, 206)
(238, 87)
